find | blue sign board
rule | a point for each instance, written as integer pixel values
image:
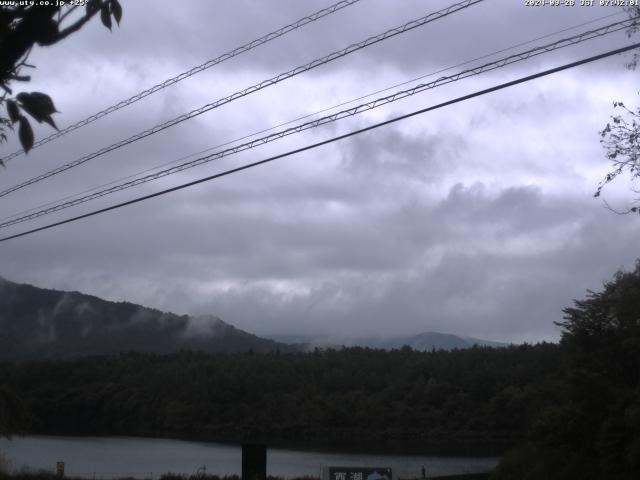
(359, 473)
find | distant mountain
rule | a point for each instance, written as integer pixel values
(438, 341)
(37, 323)
(420, 342)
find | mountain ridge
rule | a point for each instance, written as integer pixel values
(38, 323)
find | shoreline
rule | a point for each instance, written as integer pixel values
(390, 447)
(131, 457)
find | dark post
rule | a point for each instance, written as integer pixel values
(254, 461)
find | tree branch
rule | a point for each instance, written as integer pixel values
(66, 14)
(16, 44)
(74, 27)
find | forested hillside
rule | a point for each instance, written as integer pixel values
(37, 323)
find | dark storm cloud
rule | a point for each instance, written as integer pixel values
(482, 273)
(421, 157)
(475, 262)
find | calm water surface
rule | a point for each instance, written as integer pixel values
(108, 457)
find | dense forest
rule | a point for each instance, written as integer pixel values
(473, 397)
(591, 430)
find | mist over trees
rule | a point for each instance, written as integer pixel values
(39, 323)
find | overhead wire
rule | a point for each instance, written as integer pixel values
(328, 141)
(252, 89)
(244, 137)
(509, 60)
(189, 73)
(288, 122)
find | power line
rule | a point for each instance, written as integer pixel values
(197, 69)
(244, 137)
(581, 37)
(328, 141)
(249, 90)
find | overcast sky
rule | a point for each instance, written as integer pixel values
(475, 219)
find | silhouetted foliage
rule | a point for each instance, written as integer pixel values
(634, 13)
(22, 26)
(620, 137)
(593, 432)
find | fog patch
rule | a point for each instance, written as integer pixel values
(203, 326)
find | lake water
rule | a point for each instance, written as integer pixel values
(112, 457)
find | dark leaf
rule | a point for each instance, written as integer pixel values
(26, 134)
(105, 16)
(116, 10)
(50, 121)
(93, 6)
(38, 105)
(44, 101)
(12, 110)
